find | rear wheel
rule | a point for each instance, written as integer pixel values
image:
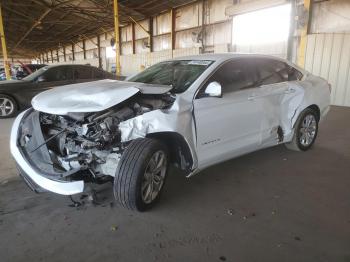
(8, 106)
(141, 173)
(305, 132)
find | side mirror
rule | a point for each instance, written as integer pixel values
(41, 79)
(213, 90)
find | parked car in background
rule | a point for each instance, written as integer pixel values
(16, 95)
(192, 112)
(3, 76)
(26, 69)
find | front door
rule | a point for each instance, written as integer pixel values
(54, 76)
(230, 125)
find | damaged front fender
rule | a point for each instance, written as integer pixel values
(161, 121)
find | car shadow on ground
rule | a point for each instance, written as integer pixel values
(219, 182)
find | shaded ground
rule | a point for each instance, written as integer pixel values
(272, 205)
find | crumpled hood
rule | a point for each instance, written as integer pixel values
(91, 96)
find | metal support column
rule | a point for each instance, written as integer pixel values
(99, 52)
(134, 22)
(4, 49)
(173, 17)
(150, 41)
(133, 37)
(73, 54)
(291, 30)
(303, 35)
(84, 49)
(64, 53)
(116, 35)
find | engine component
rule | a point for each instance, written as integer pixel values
(93, 141)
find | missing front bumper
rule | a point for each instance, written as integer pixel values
(35, 178)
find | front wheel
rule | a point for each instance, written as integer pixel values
(305, 132)
(141, 173)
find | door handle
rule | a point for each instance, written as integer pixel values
(252, 97)
(289, 91)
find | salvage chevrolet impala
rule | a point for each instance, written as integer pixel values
(192, 112)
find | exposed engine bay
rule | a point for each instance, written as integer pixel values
(92, 141)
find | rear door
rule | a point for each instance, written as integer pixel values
(228, 126)
(98, 73)
(82, 74)
(274, 77)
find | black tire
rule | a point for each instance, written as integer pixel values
(296, 144)
(14, 104)
(130, 174)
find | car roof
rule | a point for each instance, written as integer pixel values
(226, 56)
(72, 65)
(35, 64)
(222, 57)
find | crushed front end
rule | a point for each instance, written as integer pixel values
(60, 153)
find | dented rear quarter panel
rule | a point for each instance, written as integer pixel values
(316, 92)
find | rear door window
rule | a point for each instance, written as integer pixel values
(271, 71)
(82, 72)
(98, 73)
(59, 73)
(294, 74)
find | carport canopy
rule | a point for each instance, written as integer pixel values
(35, 26)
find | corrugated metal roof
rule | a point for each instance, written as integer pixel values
(32, 26)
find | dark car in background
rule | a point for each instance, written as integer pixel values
(26, 69)
(16, 95)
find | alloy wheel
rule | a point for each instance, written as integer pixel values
(153, 178)
(6, 106)
(308, 130)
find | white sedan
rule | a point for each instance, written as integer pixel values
(192, 112)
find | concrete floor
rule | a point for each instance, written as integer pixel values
(272, 205)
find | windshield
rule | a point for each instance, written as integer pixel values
(37, 73)
(180, 74)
